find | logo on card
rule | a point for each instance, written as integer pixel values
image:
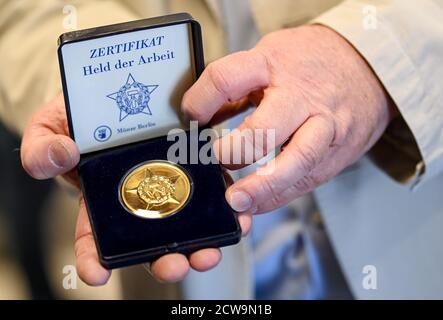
(102, 133)
(133, 98)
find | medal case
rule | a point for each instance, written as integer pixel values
(102, 97)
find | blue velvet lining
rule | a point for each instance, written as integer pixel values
(122, 238)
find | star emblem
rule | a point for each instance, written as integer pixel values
(156, 190)
(133, 98)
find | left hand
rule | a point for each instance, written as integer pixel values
(47, 151)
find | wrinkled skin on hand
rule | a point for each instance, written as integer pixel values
(308, 83)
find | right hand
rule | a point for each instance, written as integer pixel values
(47, 151)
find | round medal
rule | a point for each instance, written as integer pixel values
(155, 190)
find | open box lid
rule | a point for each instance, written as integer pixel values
(124, 83)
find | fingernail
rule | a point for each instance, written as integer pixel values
(59, 155)
(240, 201)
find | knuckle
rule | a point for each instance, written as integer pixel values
(258, 135)
(305, 184)
(217, 75)
(254, 122)
(331, 126)
(306, 157)
(270, 187)
(268, 41)
(275, 202)
(192, 110)
(247, 130)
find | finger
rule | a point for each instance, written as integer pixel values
(245, 221)
(230, 110)
(226, 80)
(202, 260)
(206, 259)
(244, 218)
(228, 178)
(170, 268)
(263, 130)
(88, 266)
(174, 267)
(46, 150)
(309, 145)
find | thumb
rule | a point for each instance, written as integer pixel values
(46, 150)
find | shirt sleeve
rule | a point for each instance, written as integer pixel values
(403, 43)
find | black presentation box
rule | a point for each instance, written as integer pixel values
(123, 86)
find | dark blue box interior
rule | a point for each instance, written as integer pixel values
(123, 238)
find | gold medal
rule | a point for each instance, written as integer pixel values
(155, 190)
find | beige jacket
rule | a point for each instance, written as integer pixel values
(371, 219)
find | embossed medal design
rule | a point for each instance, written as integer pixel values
(154, 190)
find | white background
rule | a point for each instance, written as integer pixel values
(89, 104)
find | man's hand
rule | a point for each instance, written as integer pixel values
(311, 86)
(47, 151)
(324, 102)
